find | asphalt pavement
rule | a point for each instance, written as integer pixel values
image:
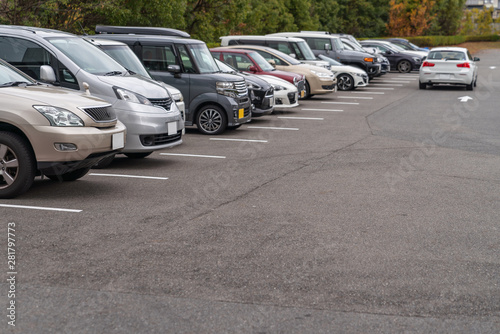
(372, 211)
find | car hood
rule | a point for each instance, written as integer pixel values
(53, 96)
(347, 68)
(137, 84)
(277, 81)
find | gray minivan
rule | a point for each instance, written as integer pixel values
(214, 101)
(146, 108)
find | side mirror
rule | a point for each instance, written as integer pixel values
(47, 74)
(252, 69)
(272, 62)
(476, 59)
(174, 69)
(293, 55)
(328, 47)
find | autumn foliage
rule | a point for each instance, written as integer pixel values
(409, 17)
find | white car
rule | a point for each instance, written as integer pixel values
(348, 77)
(286, 94)
(449, 65)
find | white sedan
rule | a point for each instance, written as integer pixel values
(449, 65)
(348, 77)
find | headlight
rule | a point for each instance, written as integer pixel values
(59, 116)
(278, 87)
(417, 60)
(178, 97)
(126, 95)
(321, 74)
(226, 88)
(358, 74)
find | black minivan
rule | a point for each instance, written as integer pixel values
(214, 101)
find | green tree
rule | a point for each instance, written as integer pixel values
(362, 17)
(448, 17)
(327, 12)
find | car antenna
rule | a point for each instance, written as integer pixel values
(84, 33)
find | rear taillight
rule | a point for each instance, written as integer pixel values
(467, 65)
(427, 64)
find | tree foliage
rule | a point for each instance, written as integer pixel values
(209, 19)
(410, 17)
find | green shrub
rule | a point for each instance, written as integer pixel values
(434, 41)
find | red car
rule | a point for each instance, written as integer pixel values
(252, 62)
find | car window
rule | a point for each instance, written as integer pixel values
(157, 58)
(25, 55)
(267, 56)
(186, 60)
(280, 46)
(238, 61)
(447, 55)
(317, 43)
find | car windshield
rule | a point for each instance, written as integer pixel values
(414, 46)
(86, 56)
(203, 58)
(305, 50)
(353, 45)
(126, 57)
(261, 61)
(10, 77)
(225, 68)
(285, 57)
(397, 47)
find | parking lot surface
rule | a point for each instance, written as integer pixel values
(370, 211)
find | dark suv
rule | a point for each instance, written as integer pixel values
(214, 100)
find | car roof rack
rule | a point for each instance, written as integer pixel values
(101, 29)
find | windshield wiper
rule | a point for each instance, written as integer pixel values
(16, 83)
(112, 73)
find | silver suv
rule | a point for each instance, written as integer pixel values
(51, 131)
(146, 108)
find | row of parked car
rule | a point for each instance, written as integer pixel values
(71, 102)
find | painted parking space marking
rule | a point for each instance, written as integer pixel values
(378, 88)
(38, 208)
(195, 155)
(354, 103)
(311, 109)
(395, 81)
(130, 176)
(385, 84)
(271, 128)
(355, 97)
(377, 93)
(302, 118)
(243, 140)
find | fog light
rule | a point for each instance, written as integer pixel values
(65, 147)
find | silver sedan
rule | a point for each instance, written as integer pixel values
(449, 65)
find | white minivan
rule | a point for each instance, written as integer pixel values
(146, 108)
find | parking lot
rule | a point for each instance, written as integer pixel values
(373, 210)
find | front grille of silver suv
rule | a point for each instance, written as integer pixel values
(165, 103)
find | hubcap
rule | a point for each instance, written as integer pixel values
(404, 66)
(9, 166)
(210, 120)
(344, 83)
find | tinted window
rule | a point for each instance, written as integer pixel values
(157, 58)
(238, 61)
(25, 55)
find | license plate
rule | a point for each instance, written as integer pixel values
(172, 128)
(444, 76)
(271, 102)
(241, 113)
(302, 93)
(118, 141)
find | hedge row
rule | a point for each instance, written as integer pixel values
(433, 41)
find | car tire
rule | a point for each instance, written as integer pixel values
(17, 165)
(471, 86)
(307, 94)
(69, 176)
(345, 82)
(475, 82)
(141, 155)
(404, 66)
(422, 85)
(105, 162)
(211, 120)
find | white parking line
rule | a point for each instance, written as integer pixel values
(380, 93)
(379, 88)
(394, 81)
(305, 118)
(131, 176)
(355, 97)
(336, 110)
(407, 78)
(271, 128)
(384, 84)
(341, 102)
(245, 140)
(38, 208)
(195, 155)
